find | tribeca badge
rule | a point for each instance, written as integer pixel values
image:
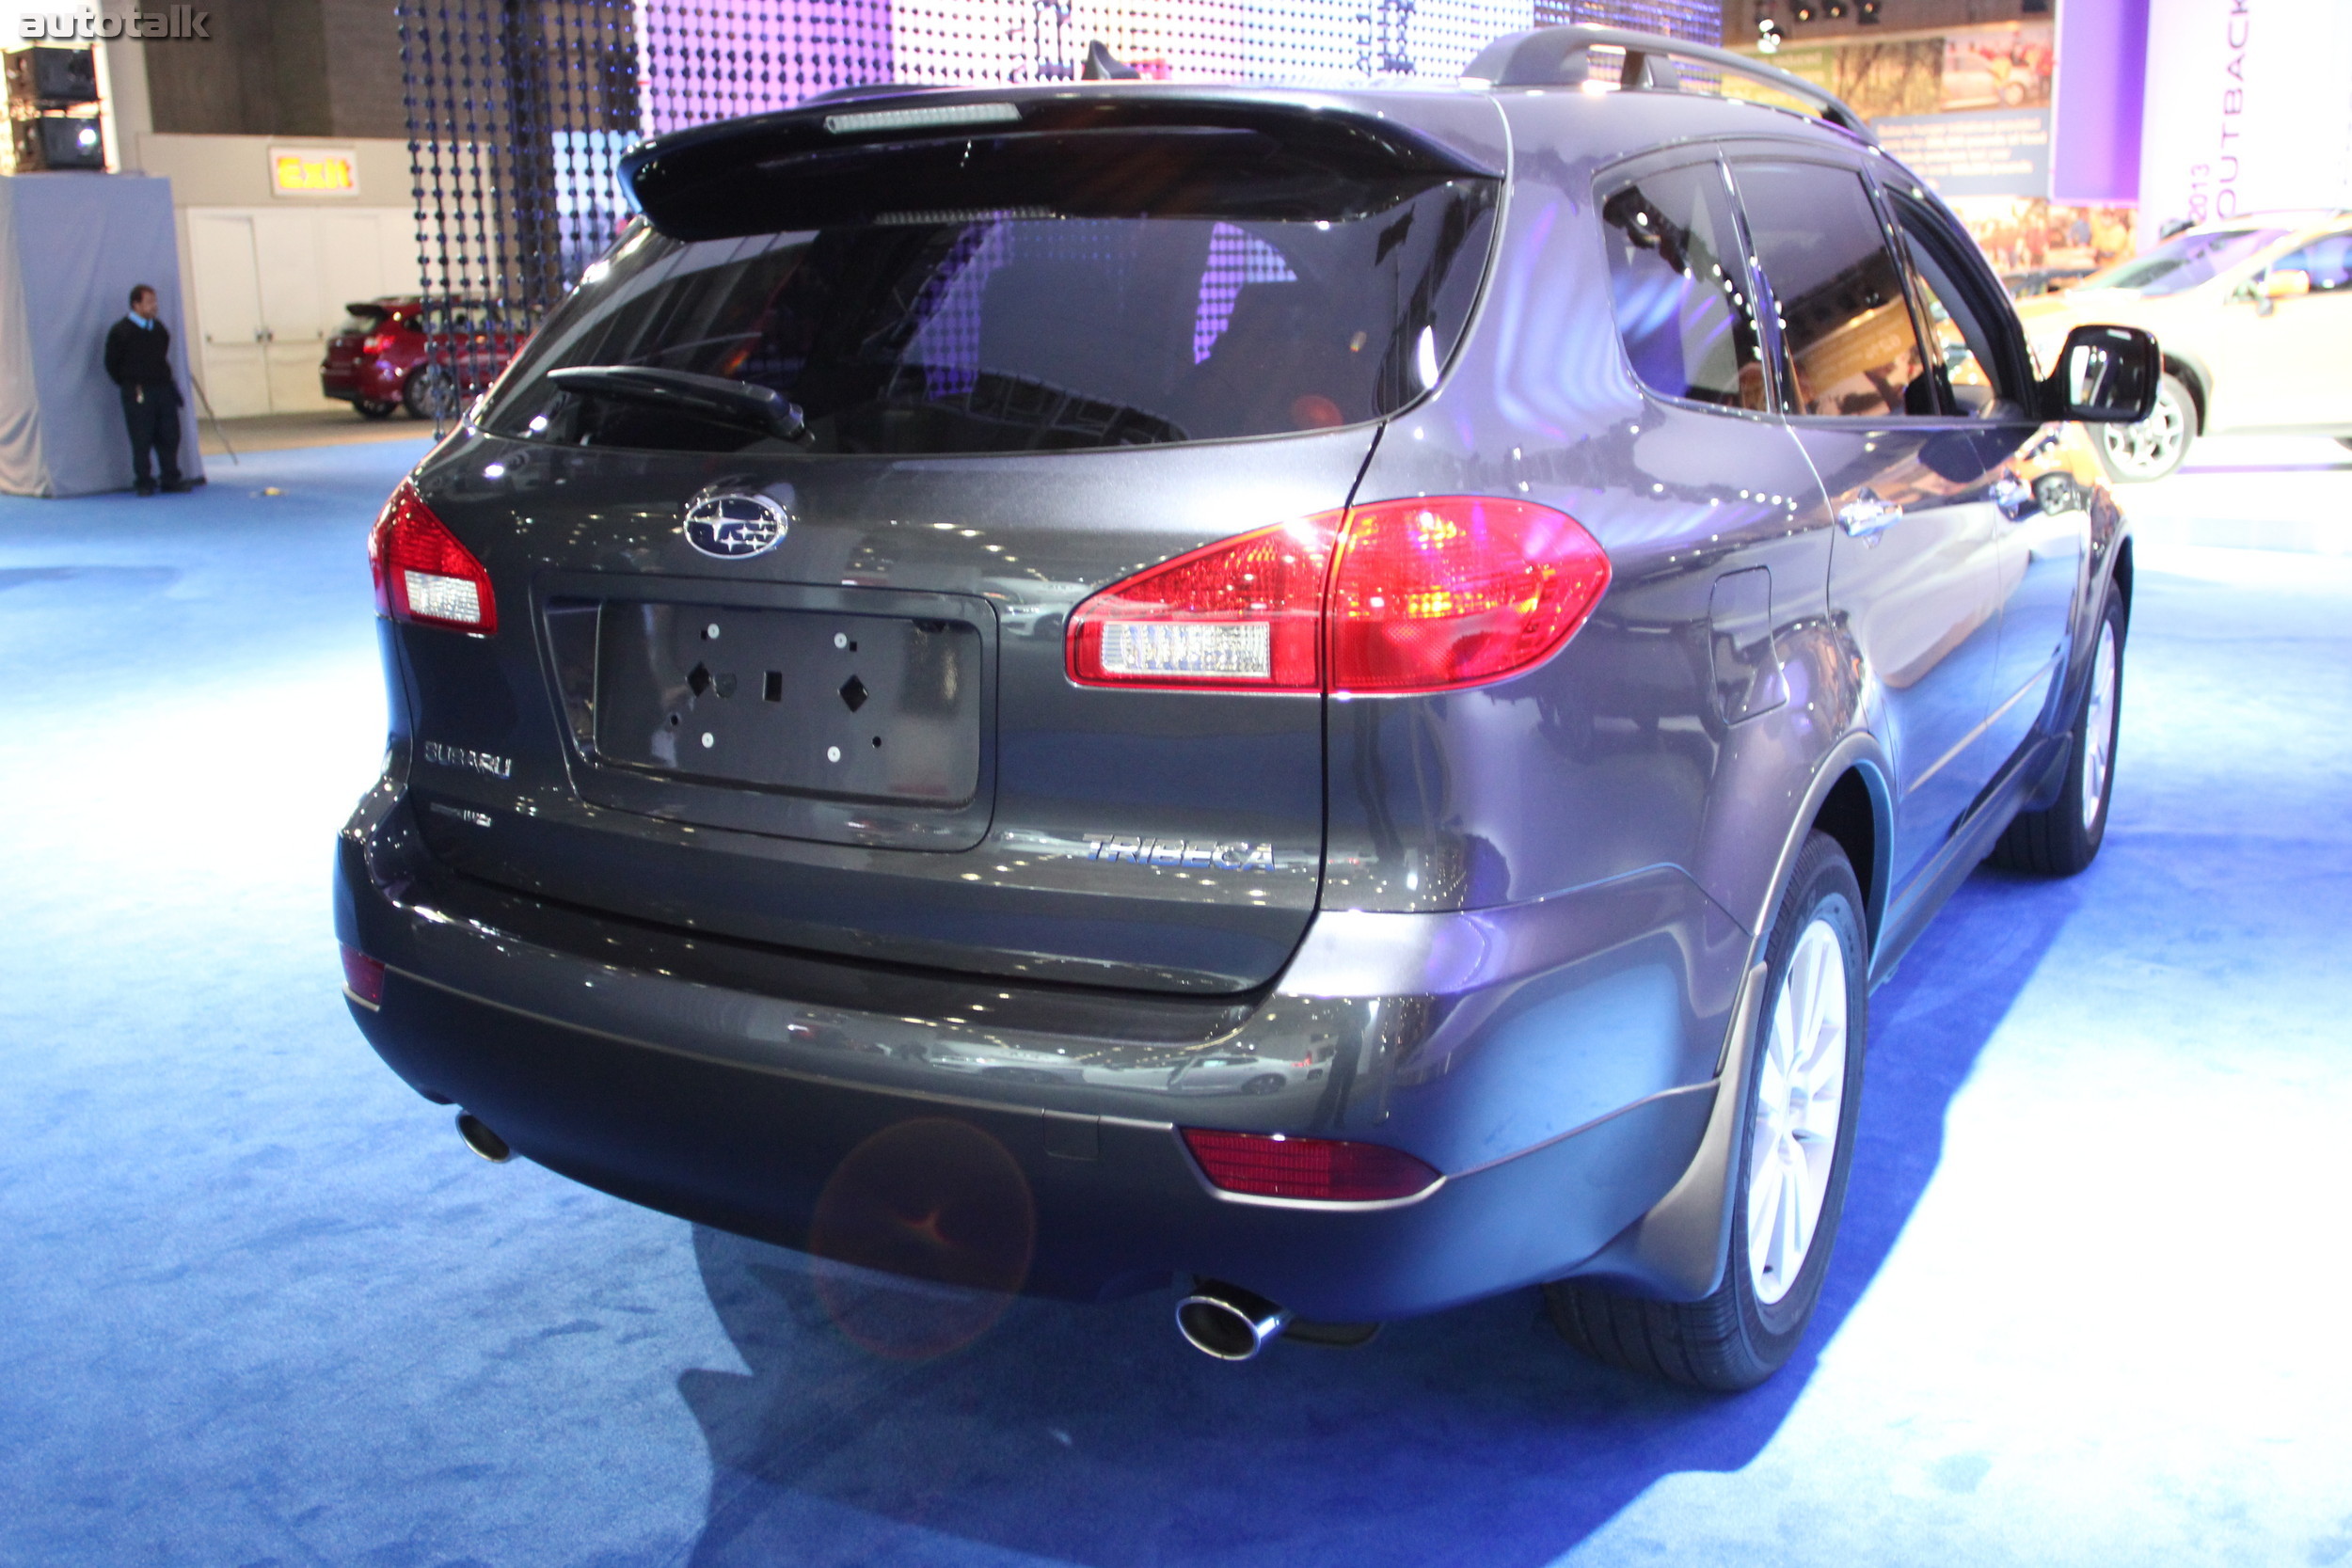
(172, 22)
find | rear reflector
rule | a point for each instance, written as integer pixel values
(1318, 1169)
(1407, 595)
(423, 574)
(362, 976)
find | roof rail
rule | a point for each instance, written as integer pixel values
(1560, 57)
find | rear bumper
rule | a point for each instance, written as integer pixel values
(359, 380)
(738, 1108)
(1118, 1204)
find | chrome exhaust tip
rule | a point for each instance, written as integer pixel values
(1228, 1322)
(482, 1140)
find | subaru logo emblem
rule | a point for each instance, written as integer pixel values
(732, 526)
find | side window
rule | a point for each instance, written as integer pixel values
(1962, 357)
(1851, 349)
(2327, 262)
(1679, 288)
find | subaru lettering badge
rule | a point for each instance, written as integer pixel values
(732, 524)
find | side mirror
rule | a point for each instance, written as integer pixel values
(2289, 284)
(2104, 376)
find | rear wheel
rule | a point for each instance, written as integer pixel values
(374, 408)
(2064, 837)
(1804, 1083)
(430, 392)
(2137, 453)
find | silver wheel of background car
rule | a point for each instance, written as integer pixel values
(2137, 453)
(1799, 1096)
(430, 392)
(2099, 727)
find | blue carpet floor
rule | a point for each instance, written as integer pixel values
(258, 1306)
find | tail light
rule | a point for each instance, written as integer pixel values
(423, 574)
(375, 342)
(1455, 591)
(1243, 615)
(363, 976)
(1404, 595)
(1318, 1169)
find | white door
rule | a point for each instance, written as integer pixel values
(294, 307)
(351, 261)
(226, 286)
(270, 286)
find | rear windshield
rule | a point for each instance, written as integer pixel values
(932, 333)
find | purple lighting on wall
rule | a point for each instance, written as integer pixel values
(2094, 121)
(712, 59)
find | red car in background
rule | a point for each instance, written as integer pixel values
(377, 360)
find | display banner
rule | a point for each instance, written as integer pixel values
(1985, 153)
(2249, 109)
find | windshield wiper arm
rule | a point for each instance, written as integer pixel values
(715, 397)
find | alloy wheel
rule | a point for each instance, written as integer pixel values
(2153, 446)
(1800, 1094)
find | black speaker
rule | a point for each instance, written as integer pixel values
(51, 78)
(60, 142)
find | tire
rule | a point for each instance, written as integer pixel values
(2144, 453)
(2064, 837)
(370, 408)
(430, 392)
(1747, 1329)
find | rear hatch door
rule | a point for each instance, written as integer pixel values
(809, 686)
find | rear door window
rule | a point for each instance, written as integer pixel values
(1016, 329)
(1851, 348)
(1680, 288)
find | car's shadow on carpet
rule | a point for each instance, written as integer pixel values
(1091, 1435)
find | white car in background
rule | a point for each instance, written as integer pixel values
(2255, 318)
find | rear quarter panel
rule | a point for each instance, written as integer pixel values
(1613, 761)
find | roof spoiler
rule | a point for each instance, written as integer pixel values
(848, 159)
(1561, 58)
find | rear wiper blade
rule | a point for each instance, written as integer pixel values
(737, 402)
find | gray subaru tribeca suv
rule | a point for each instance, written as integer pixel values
(1333, 699)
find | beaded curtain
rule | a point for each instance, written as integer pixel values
(520, 110)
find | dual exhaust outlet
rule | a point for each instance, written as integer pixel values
(1216, 1319)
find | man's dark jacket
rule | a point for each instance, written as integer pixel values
(140, 355)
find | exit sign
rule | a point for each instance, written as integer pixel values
(314, 171)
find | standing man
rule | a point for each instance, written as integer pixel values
(138, 361)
